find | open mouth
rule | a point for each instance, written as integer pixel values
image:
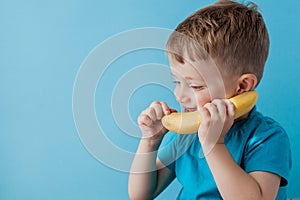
(190, 109)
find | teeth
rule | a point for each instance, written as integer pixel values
(189, 110)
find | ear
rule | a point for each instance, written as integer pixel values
(246, 82)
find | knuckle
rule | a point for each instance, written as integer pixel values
(219, 102)
(207, 105)
(141, 118)
(142, 113)
(151, 110)
(147, 111)
(154, 103)
(164, 104)
(216, 101)
(229, 103)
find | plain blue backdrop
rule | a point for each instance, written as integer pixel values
(42, 46)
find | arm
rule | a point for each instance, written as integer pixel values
(148, 177)
(232, 181)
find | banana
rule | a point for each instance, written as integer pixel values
(189, 122)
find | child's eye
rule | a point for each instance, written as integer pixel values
(176, 82)
(197, 87)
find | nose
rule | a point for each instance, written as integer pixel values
(181, 95)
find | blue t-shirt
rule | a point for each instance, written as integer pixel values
(257, 143)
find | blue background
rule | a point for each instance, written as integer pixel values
(42, 45)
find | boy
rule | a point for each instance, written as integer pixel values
(246, 158)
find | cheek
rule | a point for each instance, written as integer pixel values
(202, 98)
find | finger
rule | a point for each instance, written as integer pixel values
(205, 115)
(231, 109)
(165, 108)
(154, 103)
(144, 120)
(221, 107)
(213, 111)
(158, 110)
(151, 113)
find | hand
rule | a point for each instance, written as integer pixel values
(150, 121)
(217, 118)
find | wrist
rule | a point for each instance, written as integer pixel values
(209, 148)
(151, 144)
(211, 142)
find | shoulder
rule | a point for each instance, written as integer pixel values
(267, 143)
(261, 126)
(258, 125)
(264, 136)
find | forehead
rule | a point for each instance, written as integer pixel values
(188, 70)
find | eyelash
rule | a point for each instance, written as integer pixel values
(191, 86)
(197, 87)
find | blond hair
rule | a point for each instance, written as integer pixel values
(233, 34)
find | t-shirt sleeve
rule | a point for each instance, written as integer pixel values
(167, 151)
(269, 150)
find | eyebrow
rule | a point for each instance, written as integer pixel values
(187, 77)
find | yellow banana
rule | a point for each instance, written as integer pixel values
(189, 122)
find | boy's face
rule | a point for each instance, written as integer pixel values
(197, 84)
